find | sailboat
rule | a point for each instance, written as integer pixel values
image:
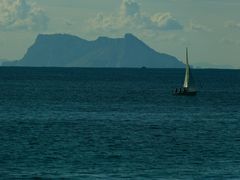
(188, 88)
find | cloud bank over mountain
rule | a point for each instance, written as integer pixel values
(131, 17)
(22, 15)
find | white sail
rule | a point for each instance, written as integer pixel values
(187, 74)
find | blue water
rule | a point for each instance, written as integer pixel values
(73, 123)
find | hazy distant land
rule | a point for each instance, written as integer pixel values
(63, 50)
(206, 65)
(2, 60)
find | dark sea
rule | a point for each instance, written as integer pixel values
(83, 123)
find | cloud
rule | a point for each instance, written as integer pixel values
(129, 8)
(172, 37)
(198, 27)
(22, 15)
(130, 18)
(166, 22)
(230, 41)
(233, 25)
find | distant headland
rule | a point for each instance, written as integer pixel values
(63, 50)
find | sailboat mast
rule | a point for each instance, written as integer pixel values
(187, 56)
(186, 81)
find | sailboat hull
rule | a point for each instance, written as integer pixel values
(185, 93)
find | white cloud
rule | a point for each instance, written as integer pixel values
(166, 21)
(23, 15)
(233, 25)
(129, 8)
(130, 18)
(230, 41)
(198, 27)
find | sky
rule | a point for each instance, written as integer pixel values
(209, 28)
